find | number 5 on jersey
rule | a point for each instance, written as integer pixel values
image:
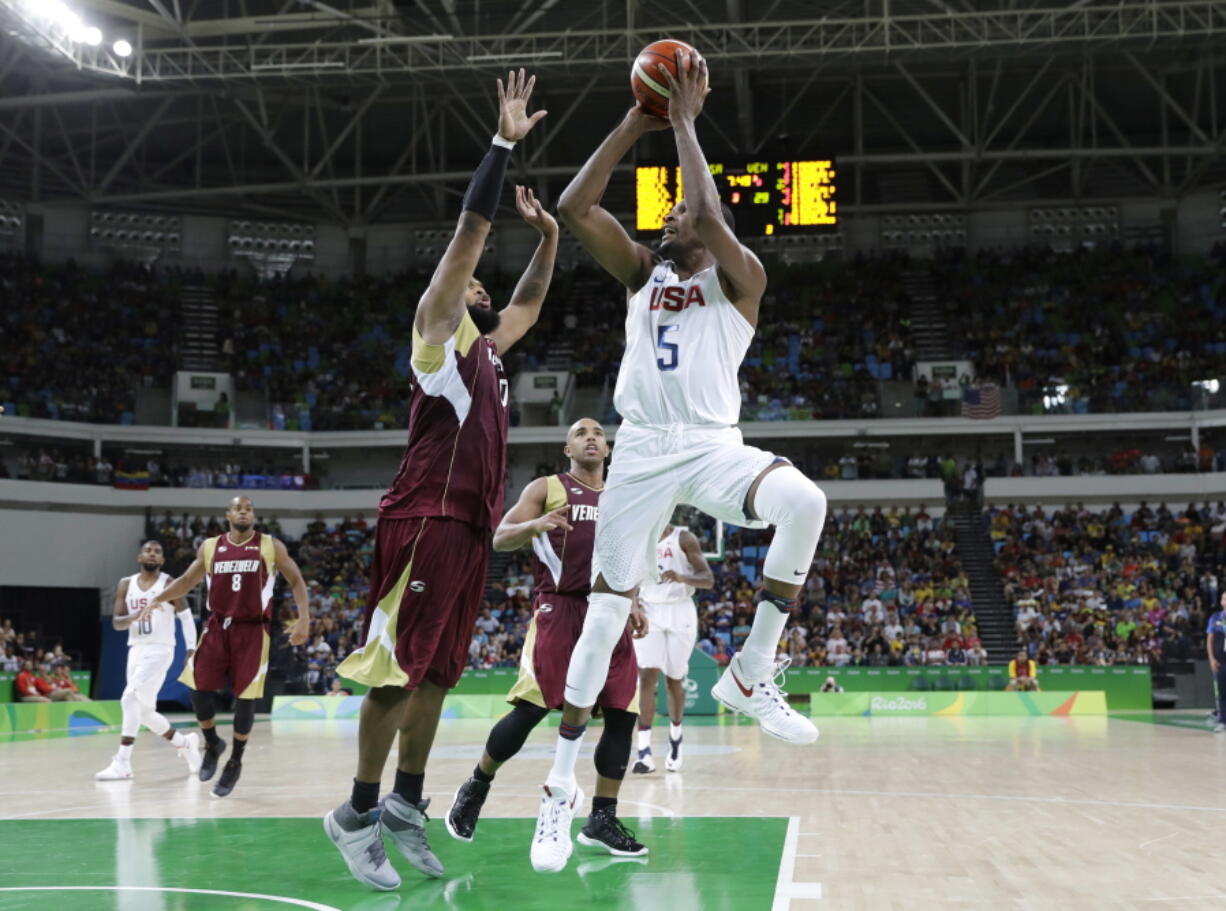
(670, 359)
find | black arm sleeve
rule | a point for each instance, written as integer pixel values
(484, 189)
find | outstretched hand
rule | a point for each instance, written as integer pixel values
(514, 121)
(531, 211)
(300, 631)
(688, 89)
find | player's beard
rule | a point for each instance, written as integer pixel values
(151, 567)
(486, 320)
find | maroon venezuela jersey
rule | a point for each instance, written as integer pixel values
(562, 560)
(240, 577)
(455, 463)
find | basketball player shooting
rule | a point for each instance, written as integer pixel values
(432, 539)
(151, 651)
(240, 569)
(692, 306)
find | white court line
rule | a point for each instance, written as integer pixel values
(1179, 898)
(787, 866)
(1146, 844)
(660, 811)
(58, 810)
(786, 888)
(301, 903)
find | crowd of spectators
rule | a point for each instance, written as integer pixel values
(1108, 330)
(64, 464)
(831, 332)
(78, 343)
(1110, 586)
(42, 674)
(1114, 329)
(886, 590)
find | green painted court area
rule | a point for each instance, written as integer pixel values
(696, 863)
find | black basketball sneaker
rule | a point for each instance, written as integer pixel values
(466, 809)
(208, 761)
(604, 830)
(229, 778)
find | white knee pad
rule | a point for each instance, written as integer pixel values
(133, 709)
(589, 662)
(797, 508)
(155, 722)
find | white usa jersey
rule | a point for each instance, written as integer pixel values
(159, 628)
(684, 345)
(669, 555)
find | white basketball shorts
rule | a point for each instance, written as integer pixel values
(147, 667)
(672, 632)
(656, 468)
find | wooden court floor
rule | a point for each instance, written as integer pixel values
(882, 813)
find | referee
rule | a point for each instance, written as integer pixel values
(1215, 645)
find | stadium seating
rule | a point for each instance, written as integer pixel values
(1108, 586)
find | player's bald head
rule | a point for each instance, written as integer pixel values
(586, 443)
(584, 426)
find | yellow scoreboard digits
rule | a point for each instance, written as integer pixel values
(653, 197)
(766, 197)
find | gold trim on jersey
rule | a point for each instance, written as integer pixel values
(210, 550)
(375, 663)
(268, 551)
(526, 687)
(255, 689)
(428, 358)
(585, 486)
(555, 493)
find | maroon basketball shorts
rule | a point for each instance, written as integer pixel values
(230, 652)
(557, 621)
(427, 580)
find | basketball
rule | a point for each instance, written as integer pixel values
(647, 82)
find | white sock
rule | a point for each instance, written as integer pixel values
(125, 752)
(566, 754)
(644, 738)
(758, 653)
(674, 731)
(178, 740)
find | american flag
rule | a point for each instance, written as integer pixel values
(981, 402)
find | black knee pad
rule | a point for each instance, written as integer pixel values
(204, 705)
(613, 748)
(508, 735)
(244, 716)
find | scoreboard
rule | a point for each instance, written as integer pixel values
(767, 197)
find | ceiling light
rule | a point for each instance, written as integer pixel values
(93, 36)
(122, 48)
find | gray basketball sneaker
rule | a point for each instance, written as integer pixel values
(359, 838)
(406, 824)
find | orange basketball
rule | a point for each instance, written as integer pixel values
(647, 82)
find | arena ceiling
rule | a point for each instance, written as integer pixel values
(373, 111)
